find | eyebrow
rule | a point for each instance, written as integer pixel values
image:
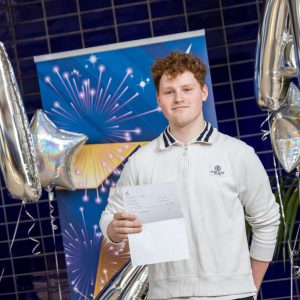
(183, 85)
(166, 88)
(188, 84)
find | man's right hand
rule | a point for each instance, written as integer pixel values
(124, 223)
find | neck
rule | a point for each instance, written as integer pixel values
(185, 133)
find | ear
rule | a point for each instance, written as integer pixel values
(158, 99)
(204, 92)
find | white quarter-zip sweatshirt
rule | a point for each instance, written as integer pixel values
(221, 182)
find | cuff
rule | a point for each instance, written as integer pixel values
(261, 253)
(104, 221)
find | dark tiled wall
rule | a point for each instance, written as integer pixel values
(37, 27)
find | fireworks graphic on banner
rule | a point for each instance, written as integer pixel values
(80, 245)
(97, 102)
(83, 243)
(115, 256)
(99, 167)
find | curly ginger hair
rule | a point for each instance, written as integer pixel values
(177, 63)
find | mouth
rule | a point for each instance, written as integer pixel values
(179, 107)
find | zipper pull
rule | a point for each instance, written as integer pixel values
(185, 149)
(186, 158)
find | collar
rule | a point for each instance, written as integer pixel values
(206, 136)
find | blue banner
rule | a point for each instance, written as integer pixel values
(108, 94)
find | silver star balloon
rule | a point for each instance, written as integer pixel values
(55, 148)
(285, 130)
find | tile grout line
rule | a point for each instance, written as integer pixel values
(115, 20)
(46, 26)
(229, 70)
(80, 24)
(150, 18)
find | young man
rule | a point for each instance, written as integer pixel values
(220, 182)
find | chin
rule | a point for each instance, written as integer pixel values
(181, 123)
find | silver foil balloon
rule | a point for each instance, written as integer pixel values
(285, 131)
(18, 159)
(138, 287)
(289, 62)
(130, 283)
(294, 12)
(272, 73)
(55, 148)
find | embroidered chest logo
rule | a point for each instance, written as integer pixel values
(217, 170)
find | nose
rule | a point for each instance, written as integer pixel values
(178, 97)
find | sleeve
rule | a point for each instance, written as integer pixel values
(115, 199)
(261, 209)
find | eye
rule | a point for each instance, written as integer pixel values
(168, 92)
(187, 89)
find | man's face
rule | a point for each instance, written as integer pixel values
(181, 98)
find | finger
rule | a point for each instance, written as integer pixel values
(122, 236)
(124, 230)
(125, 223)
(125, 216)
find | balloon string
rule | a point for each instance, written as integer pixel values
(54, 227)
(29, 231)
(52, 218)
(295, 252)
(2, 274)
(285, 227)
(14, 236)
(16, 228)
(291, 252)
(265, 132)
(278, 188)
(296, 269)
